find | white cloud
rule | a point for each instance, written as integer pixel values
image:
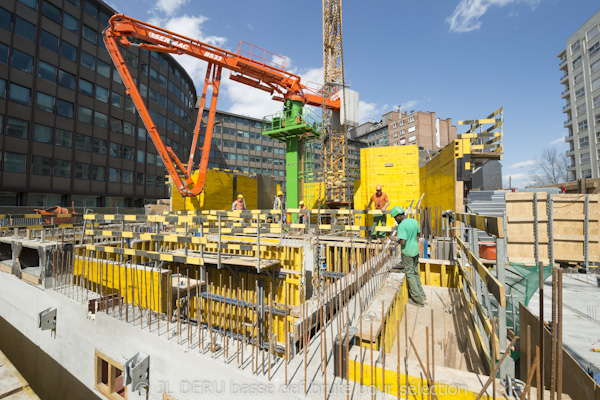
(168, 7)
(409, 105)
(466, 16)
(370, 110)
(523, 164)
(560, 140)
(518, 181)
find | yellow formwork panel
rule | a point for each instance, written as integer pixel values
(248, 186)
(218, 192)
(438, 182)
(137, 284)
(313, 194)
(396, 168)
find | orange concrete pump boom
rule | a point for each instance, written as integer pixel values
(254, 67)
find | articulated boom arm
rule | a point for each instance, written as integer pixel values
(252, 68)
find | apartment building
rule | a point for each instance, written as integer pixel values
(580, 64)
(420, 128)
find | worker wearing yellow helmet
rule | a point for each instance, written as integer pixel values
(278, 205)
(239, 204)
(302, 216)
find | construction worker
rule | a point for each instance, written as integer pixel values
(381, 202)
(408, 238)
(239, 204)
(278, 205)
(302, 216)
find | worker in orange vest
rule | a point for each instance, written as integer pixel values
(239, 204)
(381, 202)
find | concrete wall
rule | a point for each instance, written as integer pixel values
(61, 365)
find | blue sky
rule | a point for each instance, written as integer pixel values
(462, 59)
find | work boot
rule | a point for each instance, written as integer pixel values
(414, 303)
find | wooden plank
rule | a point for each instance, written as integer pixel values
(488, 224)
(493, 285)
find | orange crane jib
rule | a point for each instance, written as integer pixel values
(254, 68)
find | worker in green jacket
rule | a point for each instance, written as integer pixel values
(408, 238)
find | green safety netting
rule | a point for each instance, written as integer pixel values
(522, 281)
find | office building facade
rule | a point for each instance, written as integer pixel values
(422, 129)
(580, 64)
(68, 131)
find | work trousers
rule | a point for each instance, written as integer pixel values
(377, 220)
(411, 269)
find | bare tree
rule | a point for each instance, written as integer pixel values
(550, 168)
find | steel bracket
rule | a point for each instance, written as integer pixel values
(47, 319)
(137, 371)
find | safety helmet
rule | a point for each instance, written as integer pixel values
(279, 193)
(301, 203)
(240, 196)
(396, 210)
(378, 187)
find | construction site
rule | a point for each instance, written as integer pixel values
(307, 297)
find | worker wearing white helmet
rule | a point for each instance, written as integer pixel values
(302, 216)
(239, 204)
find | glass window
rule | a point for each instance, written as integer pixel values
(62, 168)
(82, 171)
(580, 93)
(76, 2)
(140, 156)
(47, 71)
(116, 150)
(114, 175)
(162, 80)
(101, 120)
(117, 100)
(68, 51)
(71, 24)
(140, 179)
(19, 94)
(99, 146)
(103, 69)
(2, 94)
(98, 173)
(84, 114)
(42, 133)
(49, 41)
(83, 142)
(22, 61)
(141, 133)
(128, 128)
(150, 180)
(116, 125)
(88, 60)
(596, 101)
(104, 18)
(63, 138)
(41, 165)
(153, 73)
(584, 142)
(30, 3)
(15, 162)
(128, 152)
(44, 102)
(3, 53)
(582, 126)
(101, 94)
(66, 79)
(5, 19)
(592, 33)
(51, 12)
(90, 9)
(128, 105)
(25, 29)
(594, 49)
(596, 84)
(151, 158)
(64, 108)
(86, 87)
(90, 34)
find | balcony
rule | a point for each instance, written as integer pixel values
(563, 64)
(564, 78)
(565, 93)
(568, 122)
(569, 138)
(570, 153)
(565, 108)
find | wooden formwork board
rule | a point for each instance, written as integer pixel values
(568, 220)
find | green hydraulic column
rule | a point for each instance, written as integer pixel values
(292, 172)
